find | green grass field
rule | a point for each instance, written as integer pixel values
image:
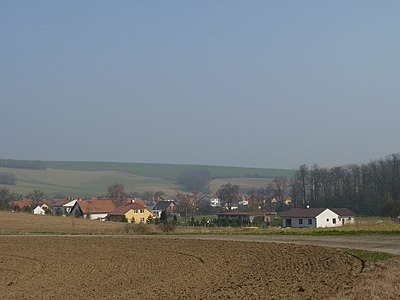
(82, 179)
(82, 183)
(362, 226)
(167, 171)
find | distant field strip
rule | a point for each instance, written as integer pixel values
(167, 171)
(84, 179)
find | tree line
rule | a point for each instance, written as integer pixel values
(8, 178)
(22, 164)
(370, 189)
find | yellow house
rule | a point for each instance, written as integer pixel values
(131, 212)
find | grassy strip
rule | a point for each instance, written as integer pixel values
(293, 231)
(370, 256)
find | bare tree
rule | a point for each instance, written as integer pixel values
(185, 204)
(117, 193)
(281, 188)
(158, 196)
(36, 196)
(228, 195)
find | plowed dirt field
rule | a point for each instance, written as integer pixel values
(73, 267)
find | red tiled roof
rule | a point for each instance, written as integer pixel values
(139, 201)
(131, 200)
(123, 209)
(96, 206)
(23, 203)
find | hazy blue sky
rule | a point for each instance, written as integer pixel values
(241, 83)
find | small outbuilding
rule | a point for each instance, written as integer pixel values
(38, 211)
(247, 217)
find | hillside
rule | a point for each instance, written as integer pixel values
(167, 171)
(82, 179)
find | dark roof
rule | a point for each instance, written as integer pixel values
(303, 212)
(123, 209)
(313, 212)
(162, 205)
(61, 202)
(343, 212)
(244, 213)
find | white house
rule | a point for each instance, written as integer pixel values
(38, 211)
(243, 201)
(317, 217)
(215, 202)
(62, 207)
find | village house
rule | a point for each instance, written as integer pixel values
(63, 207)
(243, 201)
(38, 211)
(45, 205)
(93, 209)
(133, 212)
(24, 205)
(317, 217)
(211, 200)
(215, 202)
(168, 206)
(247, 217)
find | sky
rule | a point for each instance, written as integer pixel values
(269, 84)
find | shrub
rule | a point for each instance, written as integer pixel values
(141, 228)
(166, 227)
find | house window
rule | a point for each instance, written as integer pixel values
(327, 220)
(301, 221)
(309, 221)
(142, 211)
(141, 220)
(135, 211)
(334, 220)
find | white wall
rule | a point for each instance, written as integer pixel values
(347, 220)
(300, 222)
(323, 220)
(214, 202)
(327, 218)
(38, 211)
(96, 216)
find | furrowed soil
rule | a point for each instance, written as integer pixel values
(121, 267)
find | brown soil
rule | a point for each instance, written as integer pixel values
(372, 242)
(73, 267)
